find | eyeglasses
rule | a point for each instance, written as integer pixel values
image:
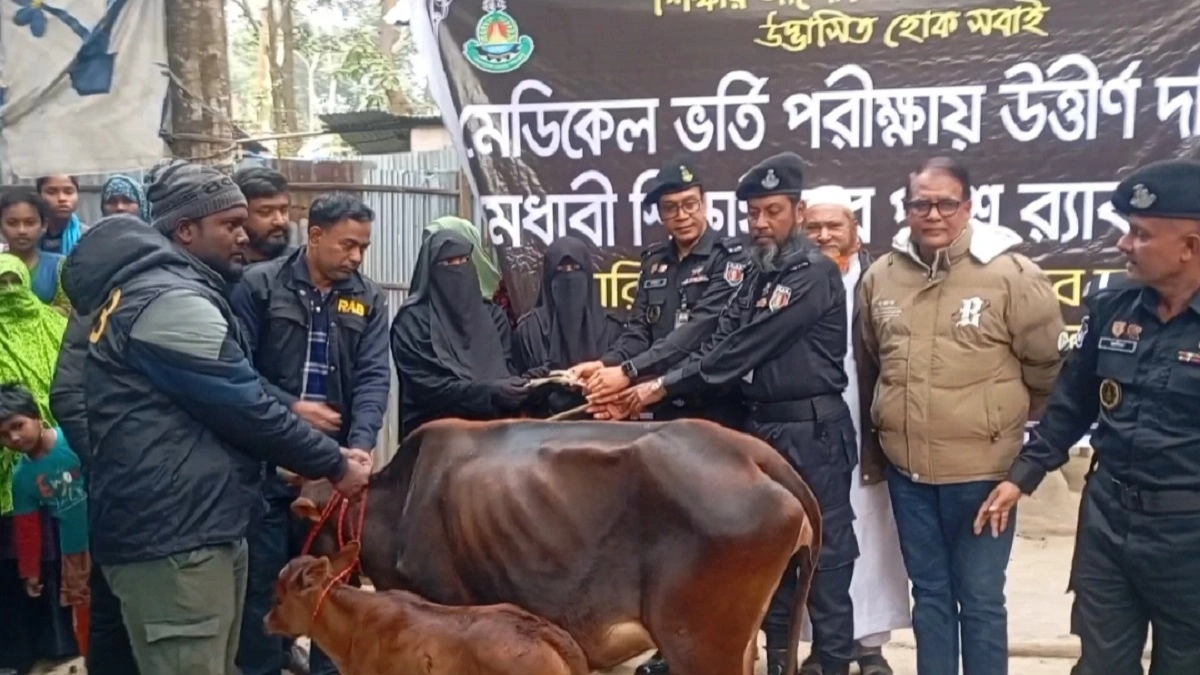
(923, 207)
(672, 209)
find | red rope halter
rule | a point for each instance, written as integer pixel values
(345, 534)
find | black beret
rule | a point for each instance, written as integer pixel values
(676, 176)
(781, 174)
(1166, 189)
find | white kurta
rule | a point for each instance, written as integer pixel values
(879, 589)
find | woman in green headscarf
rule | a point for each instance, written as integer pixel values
(30, 335)
(491, 283)
(31, 332)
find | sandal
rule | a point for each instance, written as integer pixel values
(874, 664)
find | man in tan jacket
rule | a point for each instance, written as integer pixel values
(964, 333)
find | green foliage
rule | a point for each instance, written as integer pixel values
(337, 47)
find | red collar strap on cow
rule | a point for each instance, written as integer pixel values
(333, 583)
(339, 502)
(344, 536)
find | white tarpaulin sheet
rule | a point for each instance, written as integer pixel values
(83, 85)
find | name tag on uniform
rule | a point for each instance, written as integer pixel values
(1189, 357)
(654, 283)
(695, 279)
(1114, 345)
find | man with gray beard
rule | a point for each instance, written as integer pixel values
(783, 340)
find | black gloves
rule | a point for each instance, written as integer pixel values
(509, 394)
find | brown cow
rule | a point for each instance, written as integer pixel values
(628, 535)
(368, 633)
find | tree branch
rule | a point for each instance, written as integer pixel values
(248, 13)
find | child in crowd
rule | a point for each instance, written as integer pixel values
(47, 476)
(23, 220)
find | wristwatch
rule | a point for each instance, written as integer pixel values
(629, 370)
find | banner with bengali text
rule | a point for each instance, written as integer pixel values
(564, 109)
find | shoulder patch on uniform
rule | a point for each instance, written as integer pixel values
(734, 273)
(654, 248)
(1115, 283)
(780, 296)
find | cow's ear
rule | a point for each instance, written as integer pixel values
(343, 560)
(305, 509)
(315, 575)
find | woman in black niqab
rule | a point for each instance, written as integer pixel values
(567, 326)
(451, 347)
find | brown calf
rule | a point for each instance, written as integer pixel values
(368, 633)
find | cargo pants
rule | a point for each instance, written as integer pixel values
(184, 611)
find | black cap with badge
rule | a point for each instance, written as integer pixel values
(1166, 189)
(781, 174)
(675, 176)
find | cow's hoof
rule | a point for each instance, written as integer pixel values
(655, 665)
(874, 664)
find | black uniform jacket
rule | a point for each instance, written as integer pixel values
(273, 301)
(784, 335)
(1141, 378)
(678, 301)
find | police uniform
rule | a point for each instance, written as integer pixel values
(1137, 548)
(783, 341)
(676, 305)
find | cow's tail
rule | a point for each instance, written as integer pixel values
(806, 557)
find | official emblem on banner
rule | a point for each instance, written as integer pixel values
(779, 298)
(498, 46)
(734, 273)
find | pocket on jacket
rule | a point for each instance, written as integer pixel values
(994, 419)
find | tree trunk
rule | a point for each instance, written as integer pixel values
(197, 48)
(262, 73)
(389, 36)
(277, 33)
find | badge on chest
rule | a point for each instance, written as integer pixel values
(780, 297)
(1124, 338)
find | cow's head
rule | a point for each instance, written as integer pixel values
(314, 496)
(303, 585)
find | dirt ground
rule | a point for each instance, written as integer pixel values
(1038, 605)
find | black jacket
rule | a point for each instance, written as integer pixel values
(275, 316)
(177, 421)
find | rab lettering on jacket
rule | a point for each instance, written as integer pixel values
(351, 306)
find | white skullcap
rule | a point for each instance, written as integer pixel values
(829, 195)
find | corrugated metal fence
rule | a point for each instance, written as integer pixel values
(406, 191)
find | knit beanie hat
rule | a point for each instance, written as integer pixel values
(177, 190)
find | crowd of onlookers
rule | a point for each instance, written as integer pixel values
(62, 605)
(44, 562)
